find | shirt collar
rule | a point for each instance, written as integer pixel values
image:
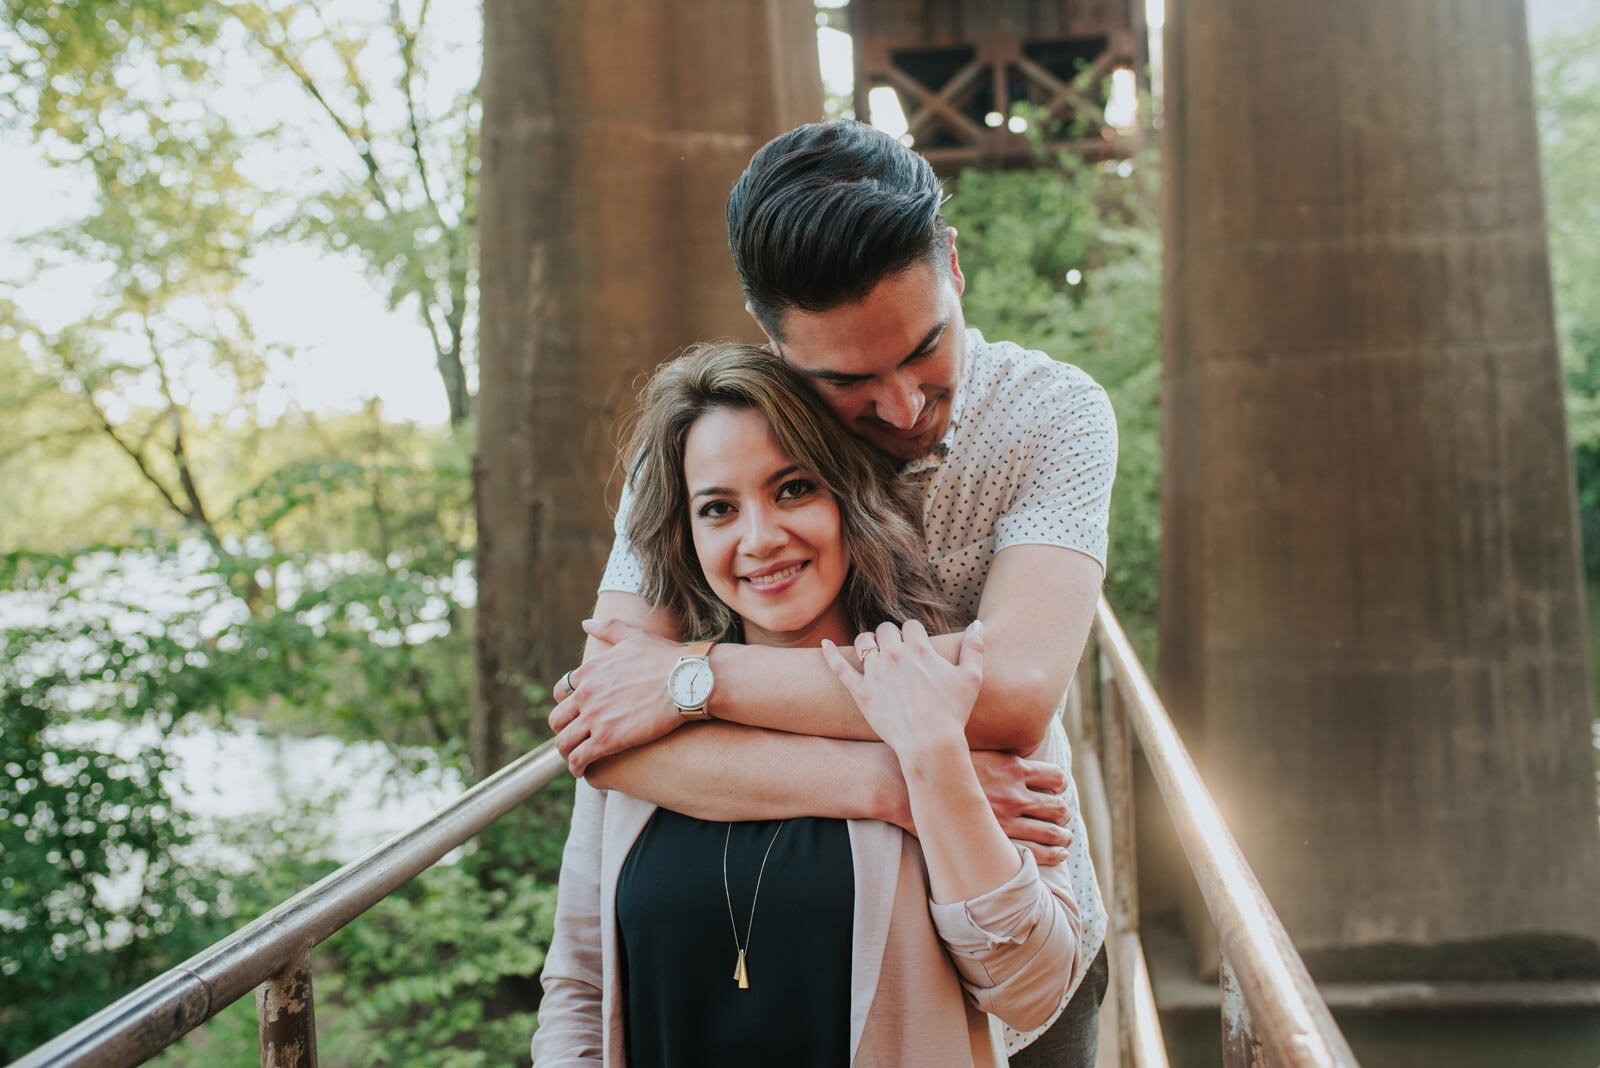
(936, 456)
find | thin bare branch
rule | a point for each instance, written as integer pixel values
(426, 313)
(359, 143)
(348, 52)
(134, 453)
(408, 64)
(67, 435)
(180, 449)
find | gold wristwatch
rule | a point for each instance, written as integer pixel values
(690, 682)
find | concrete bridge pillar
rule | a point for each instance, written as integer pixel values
(1372, 620)
(612, 132)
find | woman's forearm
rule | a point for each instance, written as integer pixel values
(966, 851)
(1013, 941)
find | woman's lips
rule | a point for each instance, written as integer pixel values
(778, 582)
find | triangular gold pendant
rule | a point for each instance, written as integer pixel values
(740, 976)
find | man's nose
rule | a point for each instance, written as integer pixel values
(901, 405)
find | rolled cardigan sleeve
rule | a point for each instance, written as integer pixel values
(1015, 947)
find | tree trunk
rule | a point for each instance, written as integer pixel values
(1372, 618)
(612, 132)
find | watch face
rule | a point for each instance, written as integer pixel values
(690, 683)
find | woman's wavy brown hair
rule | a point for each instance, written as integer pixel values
(889, 578)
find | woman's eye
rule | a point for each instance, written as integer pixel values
(714, 510)
(794, 488)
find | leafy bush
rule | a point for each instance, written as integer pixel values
(363, 642)
(78, 828)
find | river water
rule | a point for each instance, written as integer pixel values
(360, 793)
(340, 797)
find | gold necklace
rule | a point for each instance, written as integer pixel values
(740, 975)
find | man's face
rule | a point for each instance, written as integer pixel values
(887, 365)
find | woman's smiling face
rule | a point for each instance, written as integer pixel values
(768, 536)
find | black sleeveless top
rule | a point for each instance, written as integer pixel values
(683, 1007)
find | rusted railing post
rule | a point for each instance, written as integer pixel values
(286, 1015)
(1087, 676)
(1240, 1047)
(1117, 742)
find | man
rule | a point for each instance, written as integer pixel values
(850, 270)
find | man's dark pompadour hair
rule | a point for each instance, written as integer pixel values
(825, 212)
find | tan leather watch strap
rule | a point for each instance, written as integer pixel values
(699, 650)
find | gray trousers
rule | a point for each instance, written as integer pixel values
(1074, 1039)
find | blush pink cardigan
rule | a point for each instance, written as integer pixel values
(930, 985)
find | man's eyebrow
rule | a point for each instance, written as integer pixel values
(928, 341)
(723, 491)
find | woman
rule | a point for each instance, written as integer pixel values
(806, 942)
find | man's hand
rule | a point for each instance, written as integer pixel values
(1026, 797)
(618, 698)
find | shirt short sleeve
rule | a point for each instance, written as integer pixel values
(623, 572)
(1064, 494)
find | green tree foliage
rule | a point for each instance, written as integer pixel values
(126, 94)
(1568, 77)
(353, 641)
(170, 226)
(1066, 258)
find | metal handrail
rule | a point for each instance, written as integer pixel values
(270, 953)
(1272, 1011)
(1269, 1002)
(1133, 1003)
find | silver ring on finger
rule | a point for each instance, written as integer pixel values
(565, 680)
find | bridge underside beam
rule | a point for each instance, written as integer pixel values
(612, 132)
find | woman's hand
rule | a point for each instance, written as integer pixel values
(918, 702)
(908, 693)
